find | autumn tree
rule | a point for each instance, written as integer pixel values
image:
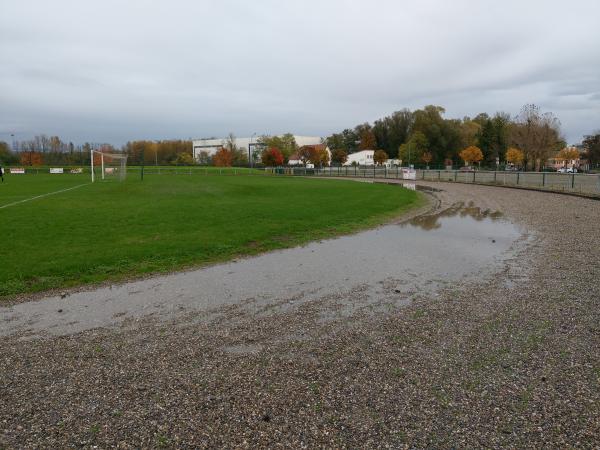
(471, 154)
(537, 134)
(272, 157)
(380, 157)
(367, 140)
(223, 158)
(318, 155)
(339, 156)
(427, 157)
(285, 144)
(32, 158)
(515, 156)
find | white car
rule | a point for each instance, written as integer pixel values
(567, 170)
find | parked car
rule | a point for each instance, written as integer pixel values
(567, 170)
(467, 169)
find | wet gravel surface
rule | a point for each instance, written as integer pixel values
(511, 359)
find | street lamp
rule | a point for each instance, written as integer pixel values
(250, 149)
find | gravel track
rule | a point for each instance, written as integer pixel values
(512, 360)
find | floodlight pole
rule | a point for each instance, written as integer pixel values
(92, 163)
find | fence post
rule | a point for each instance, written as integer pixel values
(573, 181)
(543, 179)
(474, 172)
(495, 176)
(456, 175)
(518, 176)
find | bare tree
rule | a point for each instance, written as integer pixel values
(230, 143)
(536, 134)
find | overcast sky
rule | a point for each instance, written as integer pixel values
(112, 71)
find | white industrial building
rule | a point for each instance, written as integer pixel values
(247, 144)
(362, 158)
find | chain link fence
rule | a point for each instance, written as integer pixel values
(588, 184)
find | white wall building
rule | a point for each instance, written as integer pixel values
(247, 144)
(362, 158)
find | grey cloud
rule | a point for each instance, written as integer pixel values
(114, 71)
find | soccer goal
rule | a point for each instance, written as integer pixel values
(111, 165)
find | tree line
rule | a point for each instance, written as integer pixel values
(425, 136)
(51, 150)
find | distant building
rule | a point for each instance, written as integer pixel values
(247, 144)
(557, 163)
(361, 158)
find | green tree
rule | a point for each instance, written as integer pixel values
(393, 131)
(493, 137)
(413, 150)
(6, 155)
(443, 136)
(591, 144)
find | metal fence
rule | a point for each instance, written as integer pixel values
(551, 181)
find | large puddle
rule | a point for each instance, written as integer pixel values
(389, 265)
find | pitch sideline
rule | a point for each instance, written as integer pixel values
(43, 195)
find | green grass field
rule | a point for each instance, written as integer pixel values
(114, 230)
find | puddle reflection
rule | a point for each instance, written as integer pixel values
(458, 210)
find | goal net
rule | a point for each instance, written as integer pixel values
(108, 165)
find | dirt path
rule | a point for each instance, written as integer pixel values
(509, 357)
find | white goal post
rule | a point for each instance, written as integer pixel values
(111, 164)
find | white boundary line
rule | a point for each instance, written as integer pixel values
(43, 195)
